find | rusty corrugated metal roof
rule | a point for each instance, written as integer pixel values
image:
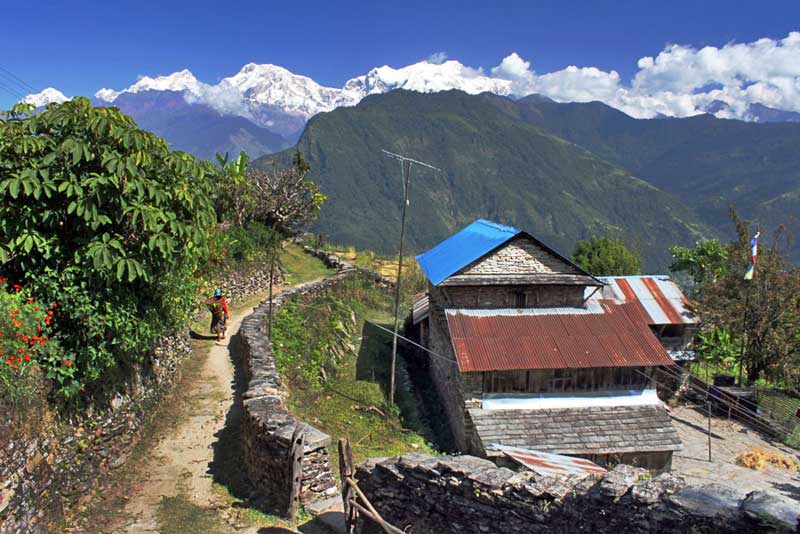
(549, 464)
(507, 340)
(660, 299)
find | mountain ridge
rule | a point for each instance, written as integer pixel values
(496, 166)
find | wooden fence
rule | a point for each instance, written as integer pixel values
(356, 504)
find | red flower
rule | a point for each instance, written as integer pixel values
(3, 280)
(31, 299)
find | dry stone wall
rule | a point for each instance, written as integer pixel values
(267, 424)
(465, 494)
(48, 476)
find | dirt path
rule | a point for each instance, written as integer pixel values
(181, 462)
(189, 478)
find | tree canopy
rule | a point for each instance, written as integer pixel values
(603, 256)
(759, 317)
(103, 219)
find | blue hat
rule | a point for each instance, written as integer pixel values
(218, 292)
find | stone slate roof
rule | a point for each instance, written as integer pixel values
(596, 430)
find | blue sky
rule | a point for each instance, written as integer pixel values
(80, 46)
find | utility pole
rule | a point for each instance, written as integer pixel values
(405, 172)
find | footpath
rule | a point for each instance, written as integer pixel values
(187, 476)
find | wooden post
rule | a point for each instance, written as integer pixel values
(346, 471)
(709, 430)
(296, 470)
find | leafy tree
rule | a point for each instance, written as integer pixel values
(704, 263)
(104, 220)
(762, 314)
(603, 256)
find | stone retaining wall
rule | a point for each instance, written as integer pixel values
(267, 424)
(48, 476)
(466, 494)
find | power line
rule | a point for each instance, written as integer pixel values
(13, 92)
(19, 81)
(746, 415)
(376, 325)
(432, 353)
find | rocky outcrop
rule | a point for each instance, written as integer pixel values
(466, 494)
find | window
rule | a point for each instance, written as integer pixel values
(520, 299)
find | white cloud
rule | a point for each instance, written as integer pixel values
(679, 81)
(437, 58)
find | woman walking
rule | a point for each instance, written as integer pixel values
(218, 306)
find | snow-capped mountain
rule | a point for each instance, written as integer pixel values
(424, 77)
(45, 97)
(669, 85)
(181, 81)
(282, 101)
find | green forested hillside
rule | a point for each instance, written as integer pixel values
(496, 164)
(709, 163)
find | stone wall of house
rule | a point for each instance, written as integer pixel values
(469, 495)
(49, 475)
(447, 377)
(267, 424)
(519, 256)
(504, 296)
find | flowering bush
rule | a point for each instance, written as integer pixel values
(25, 327)
(104, 219)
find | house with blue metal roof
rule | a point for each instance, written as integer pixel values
(527, 349)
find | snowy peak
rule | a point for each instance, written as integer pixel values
(179, 81)
(426, 77)
(45, 97)
(274, 86)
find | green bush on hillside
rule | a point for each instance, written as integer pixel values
(104, 220)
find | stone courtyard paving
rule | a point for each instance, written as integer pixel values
(727, 443)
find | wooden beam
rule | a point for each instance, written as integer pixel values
(296, 475)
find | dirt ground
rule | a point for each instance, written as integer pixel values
(728, 440)
(187, 475)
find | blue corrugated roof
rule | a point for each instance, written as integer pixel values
(461, 249)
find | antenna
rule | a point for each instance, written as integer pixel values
(405, 172)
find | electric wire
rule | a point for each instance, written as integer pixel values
(429, 351)
(16, 79)
(749, 417)
(745, 414)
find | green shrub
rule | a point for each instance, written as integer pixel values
(103, 219)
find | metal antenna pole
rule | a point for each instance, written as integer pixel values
(405, 169)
